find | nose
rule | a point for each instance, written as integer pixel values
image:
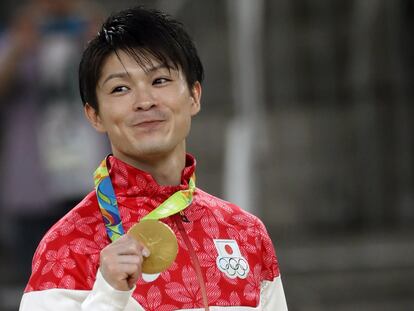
(143, 100)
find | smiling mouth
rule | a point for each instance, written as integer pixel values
(149, 123)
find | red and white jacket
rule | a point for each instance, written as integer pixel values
(225, 260)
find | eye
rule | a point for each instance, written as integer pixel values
(120, 89)
(160, 81)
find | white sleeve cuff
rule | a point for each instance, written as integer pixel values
(272, 296)
(106, 298)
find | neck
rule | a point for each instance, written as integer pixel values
(166, 170)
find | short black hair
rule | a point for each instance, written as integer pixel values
(143, 34)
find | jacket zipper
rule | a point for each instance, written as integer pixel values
(196, 263)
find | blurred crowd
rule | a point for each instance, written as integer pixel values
(45, 165)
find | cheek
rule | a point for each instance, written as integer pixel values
(183, 112)
(111, 121)
(184, 122)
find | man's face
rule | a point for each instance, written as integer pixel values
(146, 113)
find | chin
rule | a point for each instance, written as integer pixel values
(151, 150)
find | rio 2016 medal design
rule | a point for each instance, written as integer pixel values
(161, 242)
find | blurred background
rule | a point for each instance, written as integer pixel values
(307, 122)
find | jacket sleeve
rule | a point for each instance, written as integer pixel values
(102, 297)
(272, 296)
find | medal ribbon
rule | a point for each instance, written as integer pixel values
(108, 205)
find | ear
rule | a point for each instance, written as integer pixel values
(196, 98)
(94, 118)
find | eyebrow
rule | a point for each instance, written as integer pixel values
(123, 74)
(115, 75)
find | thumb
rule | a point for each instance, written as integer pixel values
(146, 252)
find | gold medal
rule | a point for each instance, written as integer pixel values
(161, 242)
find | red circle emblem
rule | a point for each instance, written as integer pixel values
(228, 249)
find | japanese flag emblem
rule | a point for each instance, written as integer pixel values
(229, 259)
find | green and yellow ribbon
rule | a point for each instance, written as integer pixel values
(108, 205)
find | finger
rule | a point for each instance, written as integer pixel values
(127, 239)
(130, 269)
(131, 247)
(126, 246)
(141, 246)
(130, 259)
(144, 250)
(121, 270)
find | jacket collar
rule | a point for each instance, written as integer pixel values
(129, 181)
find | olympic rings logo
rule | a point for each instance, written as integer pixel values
(233, 266)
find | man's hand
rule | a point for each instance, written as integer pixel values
(121, 261)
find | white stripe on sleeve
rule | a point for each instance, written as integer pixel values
(272, 296)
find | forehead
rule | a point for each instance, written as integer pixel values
(133, 59)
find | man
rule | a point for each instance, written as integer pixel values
(140, 82)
